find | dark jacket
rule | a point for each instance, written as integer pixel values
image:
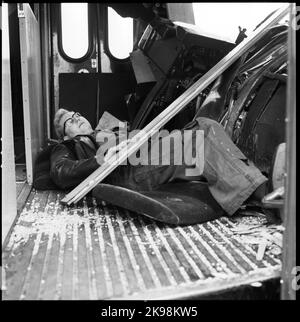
(72, 161)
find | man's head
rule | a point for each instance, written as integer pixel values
(68, 124)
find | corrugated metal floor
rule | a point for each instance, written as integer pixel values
(104, 252)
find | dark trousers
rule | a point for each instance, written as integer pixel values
(231, 177)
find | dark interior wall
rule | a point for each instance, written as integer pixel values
(92, 94)
(264, 126)
(16, 83)
(78, 92)
(112, 91)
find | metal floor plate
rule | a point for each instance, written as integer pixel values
(91, 251)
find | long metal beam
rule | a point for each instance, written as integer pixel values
(105, 169)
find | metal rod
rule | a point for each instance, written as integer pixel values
(289, 269)
(105, 169)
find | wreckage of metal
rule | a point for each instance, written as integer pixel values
(274, 60)
(89, 183)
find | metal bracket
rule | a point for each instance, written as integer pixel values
(21, 13)
(94, 63)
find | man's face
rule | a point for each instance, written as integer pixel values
(75, 124)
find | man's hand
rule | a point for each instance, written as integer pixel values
(105, 140)
(114, 150)
(109, 143)
(108, 150)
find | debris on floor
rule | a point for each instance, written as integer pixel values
(91, 251)
(254, 229)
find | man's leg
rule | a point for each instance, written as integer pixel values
(232, 178)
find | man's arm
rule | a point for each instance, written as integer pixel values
(68, 172)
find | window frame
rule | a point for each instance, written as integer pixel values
(90, 42)
(106, 41)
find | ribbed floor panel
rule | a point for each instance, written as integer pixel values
(104, 252)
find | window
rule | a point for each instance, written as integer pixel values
(120, 34)
(74, 29)
(5, 37)
(222, 19)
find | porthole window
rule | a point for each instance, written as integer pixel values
(120, 35)
(74, 29)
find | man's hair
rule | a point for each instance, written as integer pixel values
(59, 129)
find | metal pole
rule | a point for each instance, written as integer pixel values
(288, 289)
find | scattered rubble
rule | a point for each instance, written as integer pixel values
(255, 230)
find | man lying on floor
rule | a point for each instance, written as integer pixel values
(231, 178)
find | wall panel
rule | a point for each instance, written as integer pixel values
(31, 85)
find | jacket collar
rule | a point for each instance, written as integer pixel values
(78, 137)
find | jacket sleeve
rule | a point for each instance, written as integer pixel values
(68, 172)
